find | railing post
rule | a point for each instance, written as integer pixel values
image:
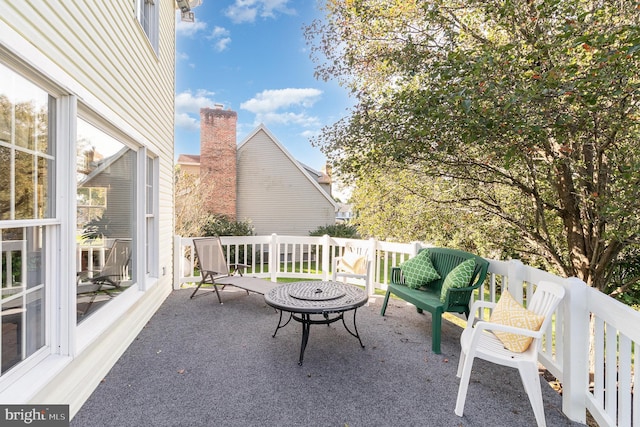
(515, 279)
(177, 261)
(274, 258)
(415, 247)
(575, 357)
(370, 286)
(326, 259)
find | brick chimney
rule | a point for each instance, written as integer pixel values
(218, 160)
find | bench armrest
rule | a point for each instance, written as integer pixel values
(490, 326)
(396, 276)
(465, 294)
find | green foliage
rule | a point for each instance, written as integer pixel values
(509, 127)
(220, 225)
(97, 228)
(623, 283)
(336, 230)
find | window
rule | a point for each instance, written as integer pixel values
(150, 215)
(27, 117)
(148, 15)
(106, 200)
(25, 111)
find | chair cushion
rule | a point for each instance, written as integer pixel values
(509, 312)
(418, 271)
(459, 277)
(352, 262)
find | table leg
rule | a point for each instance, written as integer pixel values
(356, 334)
(280, 325)
(306, 326)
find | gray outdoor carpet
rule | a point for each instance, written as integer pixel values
(199, 363)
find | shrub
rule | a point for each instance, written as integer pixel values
(337, 230)
(220, 225)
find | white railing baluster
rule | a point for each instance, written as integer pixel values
(624, 380)
(610, 363)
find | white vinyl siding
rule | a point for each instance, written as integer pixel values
(98, 54)
(275, 193)
(102, 45)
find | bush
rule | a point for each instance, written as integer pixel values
(220, 225)
(337, 230)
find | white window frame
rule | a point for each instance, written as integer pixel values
(148, 14)
(151, 184)
(57, 339)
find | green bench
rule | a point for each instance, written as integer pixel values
(427, 297)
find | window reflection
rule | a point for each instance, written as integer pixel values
(22, 304)
(106, 221)
(25, 131)
(26, 193)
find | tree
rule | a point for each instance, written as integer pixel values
(526, 112)
(346, 231)
(190, 212)
(192, 217)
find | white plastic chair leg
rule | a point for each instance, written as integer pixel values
(464, 384)
(463, 357)
(531, 382)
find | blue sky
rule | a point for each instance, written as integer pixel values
(251, 56)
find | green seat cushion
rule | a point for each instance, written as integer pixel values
(418, 271)
(459, 277)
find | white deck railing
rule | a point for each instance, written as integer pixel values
(568, 352)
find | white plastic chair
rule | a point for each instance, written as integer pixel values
(361, 272)
(477, 341)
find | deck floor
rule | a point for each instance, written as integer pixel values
(200, 363)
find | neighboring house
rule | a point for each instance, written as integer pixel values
(258, 180)
(344, 213)
(113, 202)
(79, 78)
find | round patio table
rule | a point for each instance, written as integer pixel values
(327, 299)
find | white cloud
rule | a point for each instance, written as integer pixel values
(288, 118)
(271, 100)
(266, 105)
(189, 105)
(186, 102)
(271, 6)
(221, 38)
(222, 44)
(219, 32)
(183, 120)
(308, 134)
(189, 29)
(248, 10)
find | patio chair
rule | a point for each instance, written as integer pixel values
(214, 269)
(354, 263)
(112, 274)
(479, 341)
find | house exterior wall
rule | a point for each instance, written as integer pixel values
(98, 58)
(274, 192)
(191, 169)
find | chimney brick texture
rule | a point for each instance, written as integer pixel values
(218, 151)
